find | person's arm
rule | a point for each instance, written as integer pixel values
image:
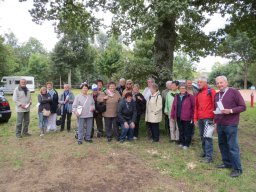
(166, 107)
(119, 112)
(134, 114)
(196, 107)
(241, 106)
(71, 98)
(92, 104)
(159, 105)
(173, 111)
(15, 98)
(192, 101)
(39, 99)
(75, 104)
(213, 93)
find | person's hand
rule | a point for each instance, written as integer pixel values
(166, 113)
(226, 111)
(172, 120)
(91, 109)
(132, 125)
(126, 125)
(23, 106)
(215, 128)
(138, 97)
(196, 123)
(106, 97)
(77, 115)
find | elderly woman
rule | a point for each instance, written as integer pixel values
(66, 100)
(183, 112)
(111, 97)
(140, 107)
(154, 112)
(44, 100)
(127, 116)
(83, 108)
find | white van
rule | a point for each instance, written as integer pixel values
(11, 82)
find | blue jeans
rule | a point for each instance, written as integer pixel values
(207, 144)
(42, 120)
(228, 144)
(126, 132)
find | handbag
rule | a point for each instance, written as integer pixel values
(46, 113)
(101, 107)
(208, 129)
(79, 108)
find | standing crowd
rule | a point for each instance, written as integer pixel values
(182, 105)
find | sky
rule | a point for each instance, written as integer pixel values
(14, 17)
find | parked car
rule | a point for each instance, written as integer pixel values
(5, 111)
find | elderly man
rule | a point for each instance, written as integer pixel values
(228, 105)
(204, 107)
(190, 89)
(121, 86)
(164, 94)
(22, 99)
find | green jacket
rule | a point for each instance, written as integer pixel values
(169, 100)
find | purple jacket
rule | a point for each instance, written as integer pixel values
(231, 100)
(187, 107)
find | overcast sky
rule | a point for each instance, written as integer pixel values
(14, 17)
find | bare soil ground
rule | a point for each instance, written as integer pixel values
(56, 163)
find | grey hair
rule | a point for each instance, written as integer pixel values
(221, 77)
(168, 82)
(155, 86)
(122, 79)
(23, 79)
(151, 79)
(203, 79)
(66, 85)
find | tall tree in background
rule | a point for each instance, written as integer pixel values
(240, 49)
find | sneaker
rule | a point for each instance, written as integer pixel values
(26, 134)
(185, 147)
(135, 138)
(41, 135)
(180, 145)
(235, 173)
(121, 141)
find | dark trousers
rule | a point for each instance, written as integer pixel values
(167, 124)
(110, 126)
(228, 144)
(137, 126)
(185, 129)
(63, 119)
(154, 128)
(99, 122)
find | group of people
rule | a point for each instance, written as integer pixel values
(183, 106)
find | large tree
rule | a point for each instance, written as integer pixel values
(239, 48)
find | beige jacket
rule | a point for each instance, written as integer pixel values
(20, 98)
(154, 108)
(111, 104)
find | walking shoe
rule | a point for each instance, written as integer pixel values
(79, 142)
(41, 135)
(19, 136)
(26, 134)
(135, 138)
(185, 147)
(121, 141)
(206, 160)
(109, 139)
(235, 173)
(180, 145)
(202, 155)
(223, 166)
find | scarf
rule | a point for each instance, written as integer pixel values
(51, 92)
(25, 89)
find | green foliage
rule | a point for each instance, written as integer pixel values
(109, 60)
(240, 49)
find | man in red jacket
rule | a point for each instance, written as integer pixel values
(204, 107)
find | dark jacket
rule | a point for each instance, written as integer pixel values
(186, 108)
(140, 104)
(45, 101)
(55, 102)
(126, 112)
(120, 89)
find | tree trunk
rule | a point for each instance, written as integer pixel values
(69, 78)
(164, 46)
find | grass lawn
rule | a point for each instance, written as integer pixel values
(57, 163)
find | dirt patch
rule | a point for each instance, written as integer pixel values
(58, 164)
